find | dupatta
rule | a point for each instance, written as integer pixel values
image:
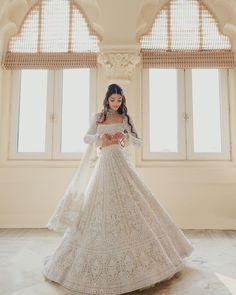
(67, 213)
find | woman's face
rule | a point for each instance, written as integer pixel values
(115, 100)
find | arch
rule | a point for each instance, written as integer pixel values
(11, 21)
(32, 46)
(151, 8)
(185, 34)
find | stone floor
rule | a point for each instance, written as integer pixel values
(210, 270)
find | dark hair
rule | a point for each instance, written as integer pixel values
(114, 88)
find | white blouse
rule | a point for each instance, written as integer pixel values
(95, 130)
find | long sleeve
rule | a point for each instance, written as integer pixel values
(91, 135)
(136, 141)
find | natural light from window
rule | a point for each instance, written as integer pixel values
(206, 110)
(163, 110)
(75, 109)
(32, 111)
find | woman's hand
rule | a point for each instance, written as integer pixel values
(118, 135)
(105, 139)
(121, 137)
(108, 139)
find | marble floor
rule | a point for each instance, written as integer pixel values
(210, 270)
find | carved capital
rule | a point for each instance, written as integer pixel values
(119, 66)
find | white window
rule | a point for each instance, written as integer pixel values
(187, 113)
(50, 113)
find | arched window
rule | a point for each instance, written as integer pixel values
(186, 61)
(185, 34)
(53, 59)
(54, 34)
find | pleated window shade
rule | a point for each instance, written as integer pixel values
(55, 34)
(185, 34)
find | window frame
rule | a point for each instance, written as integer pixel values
(147, 155)
(52, 137)
(224, 110)
(57, 155)
(185, 157)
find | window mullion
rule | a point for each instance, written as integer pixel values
(182, 144)
(188, 113)
(49, 122)
(57, 114)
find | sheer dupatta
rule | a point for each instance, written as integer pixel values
(67, 213)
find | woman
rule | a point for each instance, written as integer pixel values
(117, 237)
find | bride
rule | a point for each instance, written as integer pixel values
(116, 235)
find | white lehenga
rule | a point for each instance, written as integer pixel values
(122, 239)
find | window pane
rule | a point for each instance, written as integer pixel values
(184, 24)
(55, 26)
(75, 109)
(163, 110)
(206, 110)
(32, 111)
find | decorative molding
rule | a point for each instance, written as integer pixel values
(119, 66)
(120, 47)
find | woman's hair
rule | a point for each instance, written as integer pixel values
(114, 88)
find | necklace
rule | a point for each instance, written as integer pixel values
(111, 112)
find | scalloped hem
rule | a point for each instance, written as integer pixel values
(139, 285)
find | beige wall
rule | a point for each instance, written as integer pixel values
(197, 196)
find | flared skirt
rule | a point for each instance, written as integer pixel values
(124, 240)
